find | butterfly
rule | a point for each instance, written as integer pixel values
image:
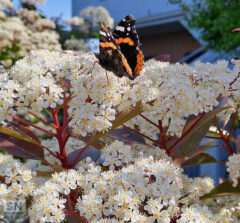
(119, 50)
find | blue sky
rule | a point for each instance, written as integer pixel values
(53, 8)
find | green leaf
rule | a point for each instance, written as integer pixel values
(223, 189)
(198, 159)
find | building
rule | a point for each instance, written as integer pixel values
(158, 24)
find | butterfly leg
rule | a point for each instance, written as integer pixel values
(104, 69)
(107, 76)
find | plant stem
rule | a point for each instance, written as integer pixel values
(81, 219)
(41, 119)
(30, 124)
(61, 140)
(169, 150)
(147, 119)
(226, 140)
(136, 131)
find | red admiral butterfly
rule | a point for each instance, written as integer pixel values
(119, 50)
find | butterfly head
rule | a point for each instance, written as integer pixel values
(130, 19)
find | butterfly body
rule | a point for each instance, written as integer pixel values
(119, 50)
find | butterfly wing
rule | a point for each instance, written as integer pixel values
(126, 37)
(110, 56)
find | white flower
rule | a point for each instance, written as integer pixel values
(75, 21)
(196, 214)
(233, 167)
(96, 15)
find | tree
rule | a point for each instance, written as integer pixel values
(216, 20)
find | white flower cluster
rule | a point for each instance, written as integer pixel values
(99, 96)
(195, 188)
(96, 15)
(192, 90)
(147, 190)
(225, 209)
(153, 185)
(76, 44)
(119, 154)
(233, 167)
(16, 181)
(75, 21)
(6, 3)
(89, 17)
(196, 214)
(29, 30)
(33, 81)
(48, 204)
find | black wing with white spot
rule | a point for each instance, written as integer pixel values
(126, 29)
(126, 36)
(110, 56)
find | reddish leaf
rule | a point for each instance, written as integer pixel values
(126, 135)
(24, 130)
(194, 151)
(197, 132)
(21, 148)
(91, 152)
(201, 158)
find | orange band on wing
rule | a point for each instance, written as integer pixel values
(139, 65)
(128, 68)
(125, 40)
(108, 45)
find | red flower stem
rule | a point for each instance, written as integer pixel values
(136, 131)
(231, 125)
(79, 154)
(221, 147)
(169, 150)
(66, 123)
(147, 119)
(65, 115)
(60, 139)
(235, 79)
(41, 119)
(230, 149)
(162, 139)
(81, 219)
(30, 124)
(55, 117)
(70, 203)
(47, 163)
(226, 122)
(66, 138)
(69, 98)
(52, 153)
